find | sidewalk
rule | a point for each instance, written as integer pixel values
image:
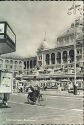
(52, 92)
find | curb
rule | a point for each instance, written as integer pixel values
(77, 96)
(66, 95)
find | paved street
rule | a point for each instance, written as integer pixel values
(58, 109)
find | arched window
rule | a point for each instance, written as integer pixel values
(71, 54)
(1, 61)
(20, 62)
(11, 61)
(59, 57)
(27, 64)
(53, 58)
(30, 63)
(16, 62)
(34, 62)
(47, 59)
(7, 61)
(64, 56)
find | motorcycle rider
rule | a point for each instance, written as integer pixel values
(31, 93)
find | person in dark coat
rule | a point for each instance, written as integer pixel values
(31, 93)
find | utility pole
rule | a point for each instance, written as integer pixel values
(73, 10)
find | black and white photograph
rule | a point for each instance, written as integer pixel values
(41, 62)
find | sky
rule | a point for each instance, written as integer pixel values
(31, 19)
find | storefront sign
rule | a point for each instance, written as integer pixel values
(6, 82)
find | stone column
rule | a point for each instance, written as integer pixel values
(13, 66)
(22, 66)
(50, 59)
(61, 58)
(68, 57)
(55, 58)
(37, 61)
(29, 64)
(3, 64)
(43, 60)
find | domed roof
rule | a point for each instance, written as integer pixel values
(45, 44)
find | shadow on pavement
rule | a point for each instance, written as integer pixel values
(26, 103)
(30, 103)
(4, 106)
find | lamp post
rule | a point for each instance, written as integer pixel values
(73, 10)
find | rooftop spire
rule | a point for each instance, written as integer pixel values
(44, 37)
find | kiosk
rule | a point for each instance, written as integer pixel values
(7, 45)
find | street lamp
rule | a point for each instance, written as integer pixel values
(73, 10)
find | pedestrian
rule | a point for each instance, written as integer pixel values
(69, 87)
(31, 93)
(75, 88)
(59, 88)
(5, 99)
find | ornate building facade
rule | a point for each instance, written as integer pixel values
(11, 63)
(59, 63)
(63, 54)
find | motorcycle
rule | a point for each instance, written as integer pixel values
(31, 98)
(34, 98)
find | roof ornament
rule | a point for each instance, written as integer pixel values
(44, 37)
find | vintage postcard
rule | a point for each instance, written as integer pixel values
(41, 62)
